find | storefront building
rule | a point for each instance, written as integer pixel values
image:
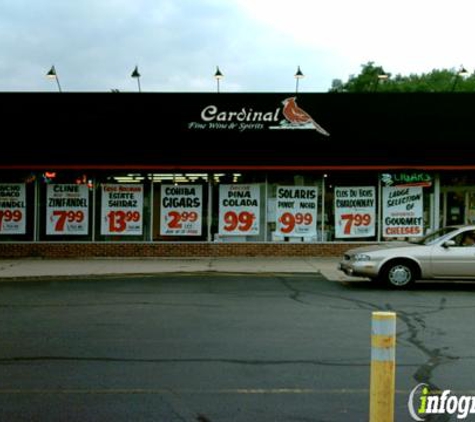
(230, 174)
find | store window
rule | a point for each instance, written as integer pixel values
(180, 206)
(238, 207)
(457, 198)
(351, 206)
(64, 207)
(408, 204)
(278, 206)
(122, 207)
(17, 206)
(294, 212)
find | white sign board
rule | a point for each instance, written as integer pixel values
(239, 209)
(403, 212)
(67, 209)
(12, 208)
(296, 211)
(355, 211)
(122, 209)
(181, 210)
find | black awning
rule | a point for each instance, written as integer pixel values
(158, 129)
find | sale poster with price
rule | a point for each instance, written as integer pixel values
(296, 211)
(12, 208)
(403, 212)
(122, 209)
(67, 209)
(181, 210)
(239, 207)
(355, 211)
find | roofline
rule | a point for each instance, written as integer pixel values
(174, 167)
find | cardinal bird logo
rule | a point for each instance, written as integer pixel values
(299, 118)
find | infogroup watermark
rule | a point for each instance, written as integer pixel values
(423, 402)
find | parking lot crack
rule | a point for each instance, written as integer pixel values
(295, 294)
(436, 356)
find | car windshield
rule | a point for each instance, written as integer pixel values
(434, 237)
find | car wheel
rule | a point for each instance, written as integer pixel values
(399, 274)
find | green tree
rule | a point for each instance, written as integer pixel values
(374, 79)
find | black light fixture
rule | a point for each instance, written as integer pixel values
(136, 74)
(53, 75)
(298, 75)
(218, 76)
(381, 77)
(462, 72)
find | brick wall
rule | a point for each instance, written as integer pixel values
(84, 250)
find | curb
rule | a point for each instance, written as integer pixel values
(108, 276)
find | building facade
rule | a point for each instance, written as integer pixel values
(230, 174)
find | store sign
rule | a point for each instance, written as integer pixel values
(239, 209)
(407, 179)
(296, 211)
(122, 209)
(355, 211)
(287, 115)
(403, 212)
(181, 210)
(12, 208)
(67, 209)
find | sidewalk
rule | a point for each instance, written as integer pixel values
(19, 269)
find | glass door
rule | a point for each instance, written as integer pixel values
(458, 206)
(454, 208)
(471, 207)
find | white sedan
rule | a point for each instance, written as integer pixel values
(448, 253)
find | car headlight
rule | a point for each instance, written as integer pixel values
(361, 257)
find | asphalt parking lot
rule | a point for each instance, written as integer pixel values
(219, 347)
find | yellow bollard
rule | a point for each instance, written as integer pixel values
(383, 367)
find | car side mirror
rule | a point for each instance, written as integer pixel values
(448, 243)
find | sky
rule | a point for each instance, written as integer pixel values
(257, 44)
